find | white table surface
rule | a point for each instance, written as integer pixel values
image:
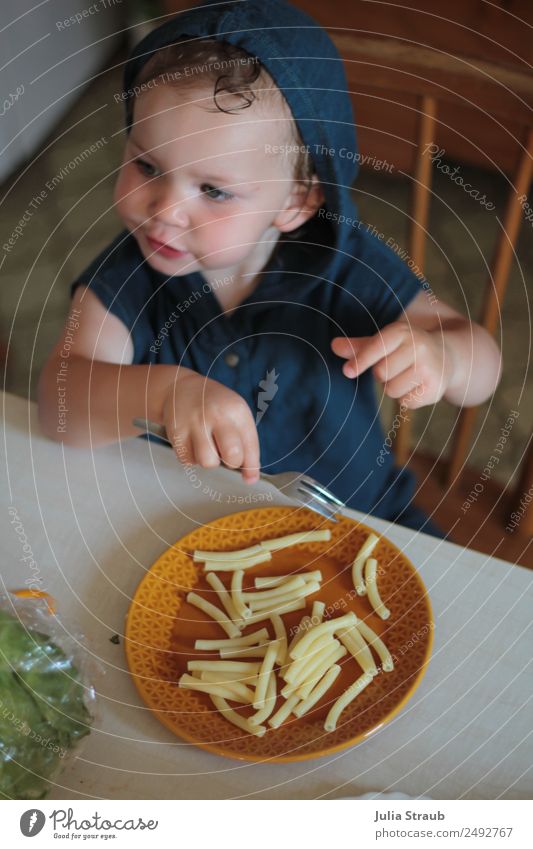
(96, 520)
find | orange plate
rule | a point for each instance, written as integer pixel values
(162, 627)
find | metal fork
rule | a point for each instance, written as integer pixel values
(294, 485)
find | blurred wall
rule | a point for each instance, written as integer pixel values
(49, 54)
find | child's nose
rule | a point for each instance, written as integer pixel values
(169, 208)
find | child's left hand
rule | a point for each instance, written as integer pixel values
(413, 364)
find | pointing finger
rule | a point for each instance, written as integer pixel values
(345, 346)
(375, 348)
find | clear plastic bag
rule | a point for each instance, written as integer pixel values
(47, 702)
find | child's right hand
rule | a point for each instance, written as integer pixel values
(208, 423)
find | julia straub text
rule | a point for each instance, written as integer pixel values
(407, 815)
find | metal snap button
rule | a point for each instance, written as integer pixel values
(231, 359)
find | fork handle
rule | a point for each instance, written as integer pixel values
(151, 427)
(159, 430)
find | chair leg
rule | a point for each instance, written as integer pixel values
(495, 294)
(417, 233)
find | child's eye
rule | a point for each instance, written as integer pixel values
(145, 167)
(213, 193)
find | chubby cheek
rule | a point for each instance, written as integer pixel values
(126, 197)
(229, 240)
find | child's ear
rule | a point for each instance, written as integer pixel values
(301, 205)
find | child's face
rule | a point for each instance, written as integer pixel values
(204, 184)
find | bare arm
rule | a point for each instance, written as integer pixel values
(89, 392)
(431, 352)
(472, 353)
(88, 389)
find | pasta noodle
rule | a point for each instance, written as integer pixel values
(243, 693)
(316, 650)
(282, 589)
(235, 718)
(343, 701)
(317, 613)
(216, 584)
(215, 613)
(223, 688)
(293, 539)
(281, 637)
(348, 620)
(247, 651)
(223, 666)
(356, 645)
(231, 565)
(320, 690)
(324, 659)
(266, 583)
(248, 640)
(263, 676)
(243, 553)
(270, 702)
(304, 624)
(377, 644)
(283, 712)
(236, 595)
(357, 568)
(301, 592)
(374, 598)
(221, 677)
(279, 609)
(315, 673)
(337, 653)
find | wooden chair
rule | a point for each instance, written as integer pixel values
(454, 95)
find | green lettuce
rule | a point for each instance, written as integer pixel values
(42, 709)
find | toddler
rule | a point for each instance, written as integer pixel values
(244, 305)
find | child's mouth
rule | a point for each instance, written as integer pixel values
(165, 250)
